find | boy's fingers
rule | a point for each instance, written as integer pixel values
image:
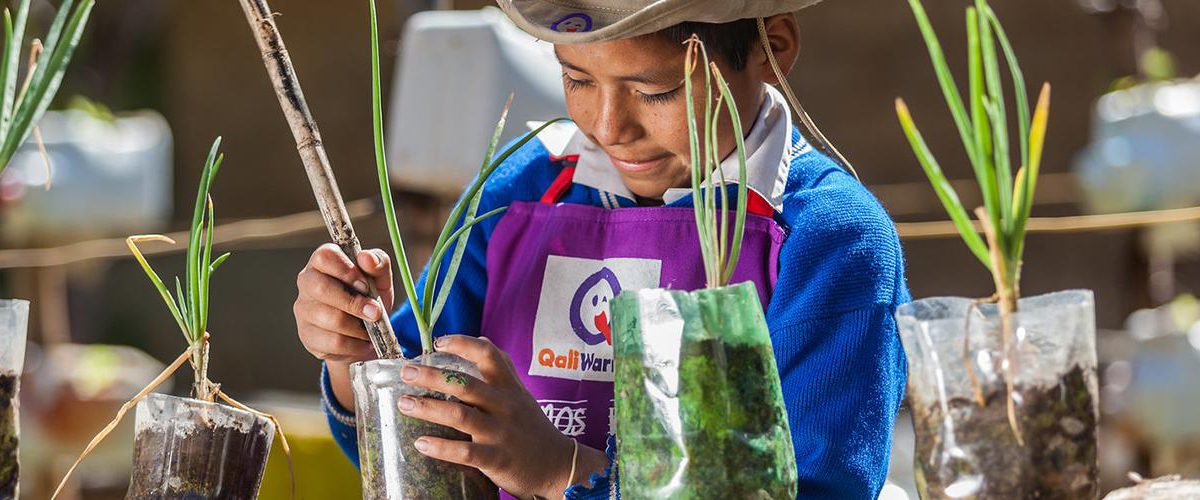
(495, 366)
(328, 259)
(328, 318)
(375, 262)
(327, 290)
(331, 346)
(459, 452)
(378, 266)
(466, 388)
(448, 413)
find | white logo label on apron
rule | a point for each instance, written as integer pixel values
(572, 337)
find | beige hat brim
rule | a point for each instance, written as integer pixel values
(587, 21)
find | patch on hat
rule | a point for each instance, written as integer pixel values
(576, 22)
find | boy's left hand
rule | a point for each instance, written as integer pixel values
(512, 441)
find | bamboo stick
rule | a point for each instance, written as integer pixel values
(312, 153)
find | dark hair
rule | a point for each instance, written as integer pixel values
(732, 42)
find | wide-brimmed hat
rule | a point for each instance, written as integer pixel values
(586, 21)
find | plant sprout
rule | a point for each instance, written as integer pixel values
(982, 123)
(427, 306)
(189, 305)
(719, 248)
(983, 126)
(21, 109)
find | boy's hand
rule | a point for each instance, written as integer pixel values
(512, 441)
(332, 304)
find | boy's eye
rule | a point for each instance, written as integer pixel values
(574, 84)
(662, 97)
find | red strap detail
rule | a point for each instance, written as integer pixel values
(560, 185)
(758, 205)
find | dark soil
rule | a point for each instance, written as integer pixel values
(209, 463)
(1058, 460)
(422, 477)
(10, 468)
(735, 434)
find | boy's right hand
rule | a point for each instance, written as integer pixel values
(332, 304)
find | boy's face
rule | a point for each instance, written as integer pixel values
(627, 96)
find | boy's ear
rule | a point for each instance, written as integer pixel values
(783, 40)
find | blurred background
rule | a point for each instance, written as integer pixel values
(155, 81)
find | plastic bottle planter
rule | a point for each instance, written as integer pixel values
(187, 448)
(391, 467)
(14, 317)
(966, 449)
(699, 408)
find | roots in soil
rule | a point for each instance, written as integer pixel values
(9, 467)
(207, 461)
(973, 452)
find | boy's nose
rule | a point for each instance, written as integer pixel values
(614, 124)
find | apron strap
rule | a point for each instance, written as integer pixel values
(756, 205)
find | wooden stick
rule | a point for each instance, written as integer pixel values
(312, 153)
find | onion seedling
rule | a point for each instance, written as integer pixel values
(189, 304)
(983, 126)
(427, 305)
(20, 109)
(719, 247)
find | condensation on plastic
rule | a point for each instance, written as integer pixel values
(699, 407)
(391, 467)
(187, 448)
(965, 450)
(14, 317)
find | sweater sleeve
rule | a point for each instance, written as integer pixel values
(843, 379)
(831, 316)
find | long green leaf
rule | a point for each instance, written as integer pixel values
(212, 268)
(182, 309)
(694, 147)
(385, 190)
(457, 212)
(941, 186)
(47, 76)
(997, 116)
(193, 277)
(460, 245)
(945, 78)
(431, 279)
(739, 229)
(14, 43)
(463, 235)
(205, 265)
(132, 242)
(985, 172)
(717, 169)
(1037, 139)
(711, 168)
(1018, 82)
(6, 104)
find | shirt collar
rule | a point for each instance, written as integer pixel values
(769, 153)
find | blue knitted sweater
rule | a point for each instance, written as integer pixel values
(841, 277)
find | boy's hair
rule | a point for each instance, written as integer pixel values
(732, 42)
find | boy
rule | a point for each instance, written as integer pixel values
(597, 207)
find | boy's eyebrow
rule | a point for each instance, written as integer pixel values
(656, 76)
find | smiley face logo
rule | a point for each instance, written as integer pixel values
(590, 314)
(577, 22)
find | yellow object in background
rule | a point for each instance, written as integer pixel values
(322, 471)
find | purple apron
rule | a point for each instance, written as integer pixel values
(552, 270)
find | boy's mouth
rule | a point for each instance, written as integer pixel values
(638, 166)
